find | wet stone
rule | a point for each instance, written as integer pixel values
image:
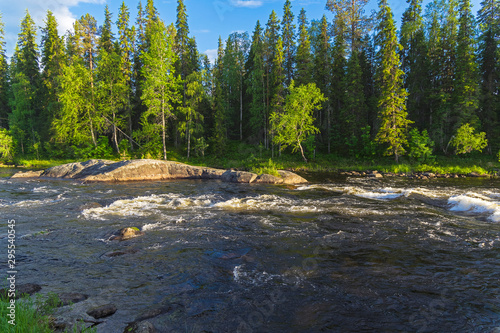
(102, 311)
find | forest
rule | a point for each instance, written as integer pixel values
(356, 87)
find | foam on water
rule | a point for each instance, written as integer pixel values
(477, 204)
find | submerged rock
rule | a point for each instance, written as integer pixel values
(71, 298)
(28, 174)
(127, 233)
(141, 170)
(102, 311)
(22, 290)
(268, 179)
(140, 327)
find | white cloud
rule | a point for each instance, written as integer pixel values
(246, 3)
(13, 11)
(212, 55)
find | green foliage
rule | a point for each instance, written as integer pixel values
(466, 141)
(420, 146)
(6, 145)
(269, 167)
(103, 150)
(392, 99)
(295, 125)
(200, 147)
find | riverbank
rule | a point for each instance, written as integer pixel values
(441, 167)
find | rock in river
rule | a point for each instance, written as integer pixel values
(127, 233)
(137, 170)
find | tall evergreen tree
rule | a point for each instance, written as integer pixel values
(160, 86)
(256, 85)
(23, 121)
(338, 91)
(466, 88)
(88, 26)
(271, 36)
(52, 62)
(106, 39)
(304, 58)
(279, 77)
(352, 13)
(219, 103)
(322, 75)
(489, 59)
(392, 100)
(126, 41)
(4, 80)
(288, 36)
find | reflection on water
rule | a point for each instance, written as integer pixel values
(337, 255)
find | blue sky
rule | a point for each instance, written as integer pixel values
(207, 18)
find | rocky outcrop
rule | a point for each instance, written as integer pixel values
(102, 311)
(143, 170)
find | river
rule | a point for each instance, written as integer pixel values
(336, 255)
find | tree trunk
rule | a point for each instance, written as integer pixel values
(115, 136)
(302, 152)
(188, 136)
(241, 111)
(163, 129)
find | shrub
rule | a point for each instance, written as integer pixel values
(420, 146)
(466, 141)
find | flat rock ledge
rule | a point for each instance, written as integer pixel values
(144, 170)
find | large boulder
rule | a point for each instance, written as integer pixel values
(137, 170)
(291, 178)
(231, 176)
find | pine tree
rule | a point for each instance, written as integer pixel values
(4, 80)
(415, 63)
(352, 14)
(322, 74)
(256, 85)
(106, 39)
(234, 71)
(193, 118)
(219, 103)
(161, 84)
(338, 91)
(489, 58)
(288, 36)
(140, 48)
(354, 111)
(52, 62)
(271, 36)
(278, 75)
(23, 121)
(88, 26)
(304, 58)
(392, 100)
(126, 41)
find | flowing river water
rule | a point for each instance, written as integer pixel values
(336, 255)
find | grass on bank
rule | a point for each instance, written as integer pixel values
(256, 159)
(33, 315)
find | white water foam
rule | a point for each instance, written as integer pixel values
(477, 204)
(387, 193)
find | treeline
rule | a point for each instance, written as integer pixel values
(119, 87)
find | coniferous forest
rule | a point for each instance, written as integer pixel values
(357, 86)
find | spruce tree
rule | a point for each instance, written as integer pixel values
(256, 85)
(106, 39)
(322, 75)
(278, 75)
(489, 59)
(352, 14)
(392, 100)
(271, 36)
(126, 42)
(219, 103)
(288, 36)
(4, 80)
(466, 89)
(415, 64)
(52, 62)
(88, 26)
(161, 85)
(304, 58)
(24, 119)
